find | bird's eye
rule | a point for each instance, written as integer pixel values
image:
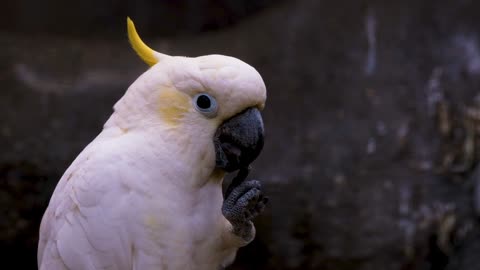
(205, 104)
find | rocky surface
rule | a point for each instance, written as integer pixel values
(371, 128)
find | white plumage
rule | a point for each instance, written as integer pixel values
(145, 194)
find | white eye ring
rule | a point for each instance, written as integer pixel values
(205, 104)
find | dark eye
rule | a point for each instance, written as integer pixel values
(205, 104)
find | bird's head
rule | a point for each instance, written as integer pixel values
(214, 97)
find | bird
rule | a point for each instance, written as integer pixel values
(146, 193)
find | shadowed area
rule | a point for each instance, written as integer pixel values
(371, 122)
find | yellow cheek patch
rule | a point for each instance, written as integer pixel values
(173, 105)
(151, 221)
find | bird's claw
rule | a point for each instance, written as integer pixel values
(242, 204)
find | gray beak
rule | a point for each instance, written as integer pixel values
(239, 140)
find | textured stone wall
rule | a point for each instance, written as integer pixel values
(372, 126)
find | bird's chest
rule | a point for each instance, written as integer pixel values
(184, 228)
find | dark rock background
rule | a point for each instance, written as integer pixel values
(372, 119)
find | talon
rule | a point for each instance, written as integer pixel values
(248, 214)
(238, 180)
(243, 203)
(265, 200)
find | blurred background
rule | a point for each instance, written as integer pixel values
(372, 119)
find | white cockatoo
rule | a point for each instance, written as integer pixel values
(146, 193)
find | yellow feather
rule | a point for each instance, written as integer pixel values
(173, 105)
(147, 54)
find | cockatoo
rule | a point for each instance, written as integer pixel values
(146, 193)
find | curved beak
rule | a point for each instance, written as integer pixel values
(239, 140)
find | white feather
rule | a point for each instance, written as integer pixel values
(145, 195)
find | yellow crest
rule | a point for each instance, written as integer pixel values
(148, 55)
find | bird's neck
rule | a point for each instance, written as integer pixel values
(185, 159)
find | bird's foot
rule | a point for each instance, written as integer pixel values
(241, 205)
